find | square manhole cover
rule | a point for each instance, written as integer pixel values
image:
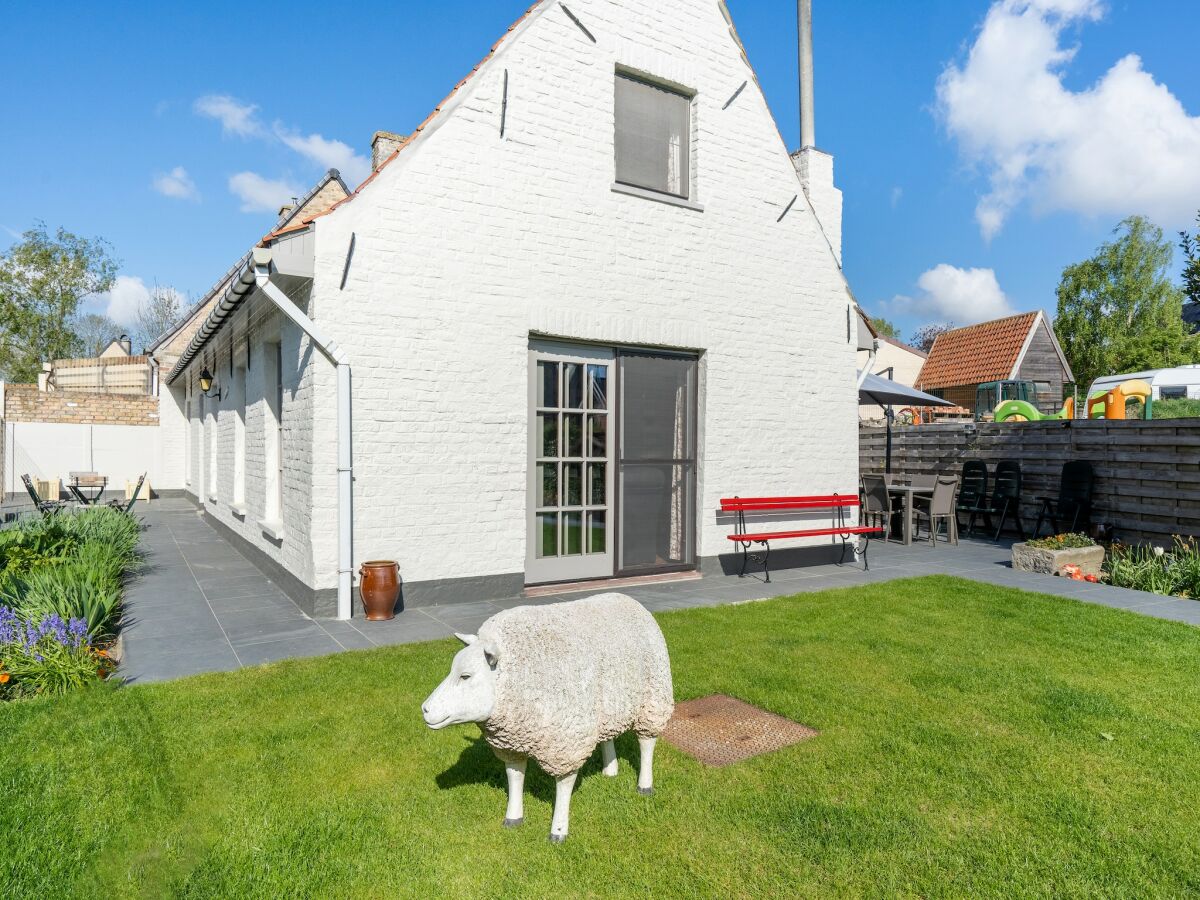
(720, 730)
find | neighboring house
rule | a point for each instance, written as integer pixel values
(892, 359)
(591, 295)
(1017, 348)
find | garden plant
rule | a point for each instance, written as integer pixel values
(61, 583)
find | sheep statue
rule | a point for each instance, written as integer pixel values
(551, 682)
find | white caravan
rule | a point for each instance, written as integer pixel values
(1182, 382)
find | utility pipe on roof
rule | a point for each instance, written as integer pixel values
(262, 276)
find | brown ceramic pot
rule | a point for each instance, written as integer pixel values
(380, 589)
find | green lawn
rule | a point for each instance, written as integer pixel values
(963, 751)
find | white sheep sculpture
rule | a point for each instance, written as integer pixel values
(551, 682)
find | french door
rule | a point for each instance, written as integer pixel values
(612, 463)
(571, 454)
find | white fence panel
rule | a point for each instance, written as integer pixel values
(52, 450)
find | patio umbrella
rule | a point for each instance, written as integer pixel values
(886, 393)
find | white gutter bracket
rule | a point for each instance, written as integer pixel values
(345, 461)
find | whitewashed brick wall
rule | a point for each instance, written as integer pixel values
(469, 242)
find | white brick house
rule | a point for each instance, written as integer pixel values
(607, 197)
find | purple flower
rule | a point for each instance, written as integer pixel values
(78, 631)
(10, 626)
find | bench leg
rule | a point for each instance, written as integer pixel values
(866, 545)
(767, 560)
(745, 559)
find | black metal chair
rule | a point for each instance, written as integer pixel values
(45, 507)
(1074, 501)
(973, 494)
(1005, 501)
(126, 505)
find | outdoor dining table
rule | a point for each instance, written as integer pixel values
(908, 494)
(88, 489)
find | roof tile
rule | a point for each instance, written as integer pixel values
(978, 353)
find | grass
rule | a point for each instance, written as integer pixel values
(974, 741)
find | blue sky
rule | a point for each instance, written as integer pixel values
(113, 126)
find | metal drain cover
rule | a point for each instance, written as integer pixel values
(721, 730)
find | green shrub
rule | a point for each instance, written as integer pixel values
(71, 564)
(1063, 542)
(73, 589)
(1176, 409)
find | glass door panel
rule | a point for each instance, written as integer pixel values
(657, 462)
(571, 464)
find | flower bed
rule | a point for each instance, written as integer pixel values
(1173, 573)
(61, 585)
(49, 657)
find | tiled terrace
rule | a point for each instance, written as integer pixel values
(201, 606)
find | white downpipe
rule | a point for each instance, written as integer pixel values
(866, 370)
(262, 275)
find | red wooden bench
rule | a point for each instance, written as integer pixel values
(837, 503)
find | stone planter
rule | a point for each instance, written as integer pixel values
(1051, 562)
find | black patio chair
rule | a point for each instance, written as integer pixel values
(1005, 501)
(126, 505)
(45, 507)
(1074, 502)
(973, 494)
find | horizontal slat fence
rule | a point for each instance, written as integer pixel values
(1147, 473)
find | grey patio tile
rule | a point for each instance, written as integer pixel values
(270, 598)
(254, 626)
(308, 645)
(410, 628)
(347, 636)
(180, 665)
(241, 587)
(462, 617)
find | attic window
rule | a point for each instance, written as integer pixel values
(653, 139)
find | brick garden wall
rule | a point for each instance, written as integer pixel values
(1147, 473)
(25, 403)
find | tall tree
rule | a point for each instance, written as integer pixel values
(885, 328)
(157, 315)
(924, 336)
(1190, 244)
(95, 332)
(43, 279)
(1119, 311)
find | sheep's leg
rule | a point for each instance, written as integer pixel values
(646, 771)
(515, 770)
(562, 807)
(609, 750)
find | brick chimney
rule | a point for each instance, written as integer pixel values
(383, 145)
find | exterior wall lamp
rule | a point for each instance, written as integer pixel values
(206, 385)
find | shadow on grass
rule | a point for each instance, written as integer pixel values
(477, 764)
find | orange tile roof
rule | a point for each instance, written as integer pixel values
(978, 353)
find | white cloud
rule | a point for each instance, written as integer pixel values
(128, 295)
(260, 194)
(950, 294)
(236, 117)
(329, 154)
(1124, 145)
(176, 184)
(897, 196)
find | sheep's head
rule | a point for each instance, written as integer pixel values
(469, 691)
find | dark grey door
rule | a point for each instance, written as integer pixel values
(656, 462)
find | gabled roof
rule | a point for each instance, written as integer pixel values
(990, 351)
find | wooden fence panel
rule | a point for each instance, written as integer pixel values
(1147, 473)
